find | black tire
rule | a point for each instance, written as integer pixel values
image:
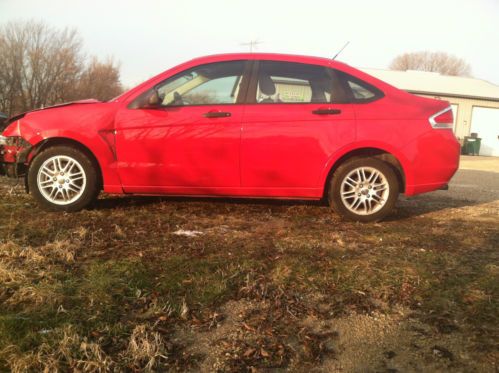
(340, 207)
(90, 191)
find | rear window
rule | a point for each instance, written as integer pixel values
(358, 90)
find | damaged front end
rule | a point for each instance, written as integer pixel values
(19, 138)
(14, 151)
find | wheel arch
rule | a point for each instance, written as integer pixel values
(65, 141)
(371, 152)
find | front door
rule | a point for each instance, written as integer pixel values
(189, 142)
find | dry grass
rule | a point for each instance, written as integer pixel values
(66, 350)
(261, 285)
(146, 349)
(28, 273)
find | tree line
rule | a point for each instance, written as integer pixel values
(440, 62)
(42, 66)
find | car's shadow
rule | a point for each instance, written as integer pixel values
(112, 202)
(468, 188)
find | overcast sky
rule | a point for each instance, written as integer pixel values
(149, 36)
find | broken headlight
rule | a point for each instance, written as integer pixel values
(16, 141)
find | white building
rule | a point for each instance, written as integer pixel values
(475, 102)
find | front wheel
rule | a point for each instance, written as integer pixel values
(364, 189)
(62, 178)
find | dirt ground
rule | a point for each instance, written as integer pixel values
(184, 284)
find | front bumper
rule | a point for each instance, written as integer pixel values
(11, 170)
(13, 160)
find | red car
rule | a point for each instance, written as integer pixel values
(240, 125)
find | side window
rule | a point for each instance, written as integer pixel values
(358, 90)
(215, 91)
(215, 83)
(289, 82)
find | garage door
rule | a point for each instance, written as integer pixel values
(454, 108)
(485, 122)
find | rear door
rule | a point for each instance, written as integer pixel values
(291, 126)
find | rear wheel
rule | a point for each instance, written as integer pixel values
(364, 189)
(62, 178)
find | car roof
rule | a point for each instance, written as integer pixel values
(267, 56)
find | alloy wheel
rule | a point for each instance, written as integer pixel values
(61, 180)
(364, 190)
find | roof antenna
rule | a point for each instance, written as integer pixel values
(341, 50)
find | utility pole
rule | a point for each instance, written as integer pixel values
(252, 44)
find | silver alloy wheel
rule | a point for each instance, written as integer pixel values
(365, 190)
(61, 180)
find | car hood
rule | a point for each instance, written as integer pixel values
(21, 115)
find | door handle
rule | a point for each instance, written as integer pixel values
(217, 114)
(326, 111)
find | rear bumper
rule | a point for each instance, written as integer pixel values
(412, 190)
(436, 160)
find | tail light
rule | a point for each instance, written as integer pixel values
(444, 119)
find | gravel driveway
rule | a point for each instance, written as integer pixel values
(477, 180)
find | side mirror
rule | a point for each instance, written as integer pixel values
(147, 100)
(153, 99)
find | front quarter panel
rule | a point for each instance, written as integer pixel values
(81, 123)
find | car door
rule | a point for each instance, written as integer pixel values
(291, 128)
(189, 141)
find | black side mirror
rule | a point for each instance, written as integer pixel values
(152, 100)
(147, 100)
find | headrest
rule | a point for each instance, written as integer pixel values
(266, 85)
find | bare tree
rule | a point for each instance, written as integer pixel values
(100, 80)
(441, 62)
(41, 66)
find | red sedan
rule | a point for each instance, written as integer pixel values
(240, 125)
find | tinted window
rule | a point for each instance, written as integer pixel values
(216, 83)
(288, 82)
(358, 90)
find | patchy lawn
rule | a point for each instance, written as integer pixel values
(145, 284)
